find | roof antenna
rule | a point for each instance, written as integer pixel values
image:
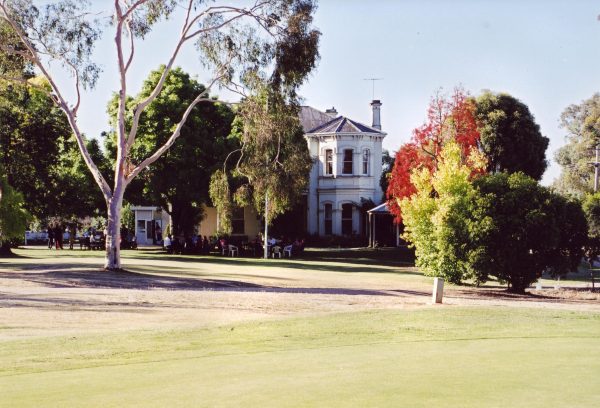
(373, 81)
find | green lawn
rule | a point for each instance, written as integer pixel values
(457, 357)
(391, 354)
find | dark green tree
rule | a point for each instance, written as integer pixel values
(387, 163)
(39, 156)
(510, 137)
(591, 208)
(582, 124)
(13, 216)
(520, 229)
(179, 181)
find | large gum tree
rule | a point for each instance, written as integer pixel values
(272, 40)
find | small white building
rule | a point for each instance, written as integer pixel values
(150, 224)
(346, 172)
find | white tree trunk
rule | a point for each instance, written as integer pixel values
(266, 239)
(113, 236)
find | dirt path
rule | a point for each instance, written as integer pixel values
(41, 300)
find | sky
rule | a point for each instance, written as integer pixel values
(545, 53)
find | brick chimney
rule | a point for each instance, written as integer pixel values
(376, 105)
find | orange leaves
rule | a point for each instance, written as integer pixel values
(448, 118)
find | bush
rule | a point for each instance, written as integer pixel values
(13, 217)
(520, 229)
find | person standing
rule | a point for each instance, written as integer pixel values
(50, 236)
(158, 231)
(58, 236)
(72, 232)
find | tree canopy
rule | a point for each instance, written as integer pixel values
(582, 124)
(510, 137)
(13, 216)
(40, 157)
(448, 118)
(273, 162)
(521, 229)
(499, 225)
(435, 215)
(272, 41)
(179, 181)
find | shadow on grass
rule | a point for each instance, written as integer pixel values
(357, 261)
(140, 281)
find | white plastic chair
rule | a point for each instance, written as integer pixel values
(287, 250)
(277, 251)
(233, 250)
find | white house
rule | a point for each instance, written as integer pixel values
(347, 170)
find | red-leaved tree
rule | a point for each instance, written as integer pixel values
(447, 118)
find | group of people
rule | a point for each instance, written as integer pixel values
(194, 244)
(56, 232)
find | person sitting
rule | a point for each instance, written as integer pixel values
(223, 246)
(167, 244)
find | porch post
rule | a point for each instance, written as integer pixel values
(370, 244)
(374, 229)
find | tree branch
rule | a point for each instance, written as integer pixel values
(61, 102)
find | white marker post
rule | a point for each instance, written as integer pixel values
(438, 290)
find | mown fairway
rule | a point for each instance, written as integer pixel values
(293, 344)
(458, 357)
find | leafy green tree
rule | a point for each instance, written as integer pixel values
(582, 124)
(520, 229)
(510, 137)
(436, 217)
(179, 181)
(273, 164)
(13, 216)
(272, 39)
(40, 158)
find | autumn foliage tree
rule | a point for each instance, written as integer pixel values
(448, 118)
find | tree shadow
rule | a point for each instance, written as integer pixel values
(92, 279)
(355, 265)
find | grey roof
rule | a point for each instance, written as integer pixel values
(342, 124)
(311, 118)
(380, 209)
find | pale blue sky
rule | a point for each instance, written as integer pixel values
(546, 53)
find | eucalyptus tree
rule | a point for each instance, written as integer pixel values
(581, 123)
(270, 39)
(272, 164)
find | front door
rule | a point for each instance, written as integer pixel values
(143, 227)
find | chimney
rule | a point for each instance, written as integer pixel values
(376, 104)
(331, 112)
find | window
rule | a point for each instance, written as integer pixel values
(328, 219)
(237, 221)
(347, 169)
(328, 162)
(365, 161)
(346, 219)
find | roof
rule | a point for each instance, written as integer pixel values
(380, 209)
(311, 118)
(342, 124)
